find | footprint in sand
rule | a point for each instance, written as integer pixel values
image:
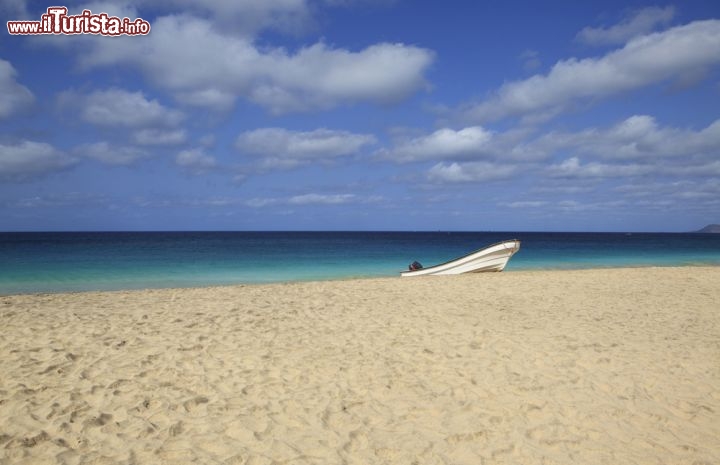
(100, 420)
(193, 403)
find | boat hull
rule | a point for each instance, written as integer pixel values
(489, 259)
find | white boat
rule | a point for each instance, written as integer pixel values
(492, 258)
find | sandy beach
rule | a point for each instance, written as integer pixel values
(614, 366)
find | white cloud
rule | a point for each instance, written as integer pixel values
(640, 22)
(112, 155)
(281, 148)
(638, 137)
(159, 137)
(210, 98)
(207, 140)
(243, 18)
(119, 8)
(564, 206)
(28, 159)
(14, 9)
(319, 77)
(680, 189)
(61, 200)
(246, 17)
(442, 144)
(531, 60)
(573, 168)
(196, 161)
(710, 168)
(202, 66)
(636, 146)
(557, 188)
(216, 202)
(573, 206)
(321, 199)
(469, 143)
(238, 17)
(525, 204)
(13, 96)
(117, 107)
(470, 172)
(312, 199)
(260, 202)
(643, 61)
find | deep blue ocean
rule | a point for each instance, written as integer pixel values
(54, 262)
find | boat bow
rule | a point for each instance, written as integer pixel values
(491, 258)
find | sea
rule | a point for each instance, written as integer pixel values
(48, 262)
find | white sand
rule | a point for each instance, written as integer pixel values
(562, 367)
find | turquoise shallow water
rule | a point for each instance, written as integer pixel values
(54, 262)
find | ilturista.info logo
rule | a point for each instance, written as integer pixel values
(57, 21)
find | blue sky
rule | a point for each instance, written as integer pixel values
(365, 115)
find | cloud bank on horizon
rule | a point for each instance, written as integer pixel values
(322, 114)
